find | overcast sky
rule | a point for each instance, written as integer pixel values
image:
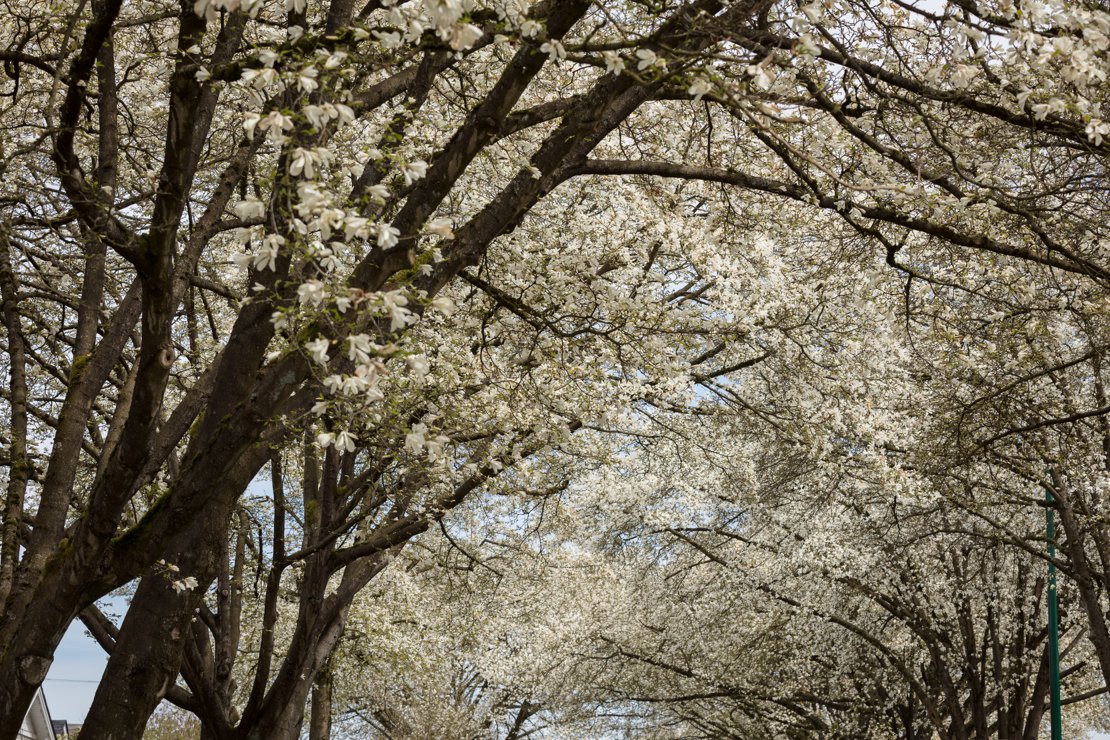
(72, 679)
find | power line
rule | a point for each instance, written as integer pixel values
(73, 680)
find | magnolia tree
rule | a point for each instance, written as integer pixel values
(357, 164)
(886, 621)
(288, 286)
(857, 578)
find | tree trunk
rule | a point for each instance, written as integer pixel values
(319, 726)
(1037, 700)
(147, 657)
(29, 638)
(144, 663)
(1073, 546)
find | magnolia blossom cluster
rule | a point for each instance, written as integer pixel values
(179, 585)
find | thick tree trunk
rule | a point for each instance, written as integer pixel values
(144, 663)
(148, 654)
(1074, 546)
(29, 639)
(319, 726)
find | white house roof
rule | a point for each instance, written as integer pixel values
(37, 724)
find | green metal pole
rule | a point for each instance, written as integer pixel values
(1053, 623)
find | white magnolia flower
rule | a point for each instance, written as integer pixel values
(355, 226)
(328, 219)
(345, 441)
(185, 584)
(318, 350)
(554, 50)
(1096, 129)
(310, 199)
(414, 171)
(250, 207)
(435, 446)
(442, 227)
(963, 76)
(415, 440)
(266, 256)
(316, 116)
(280, 320)
(320, 115)
(443, 304)
(443, 12)
(760, 77)
(260, 78)
(418, 364)
(807, 46)
(386, 235)
(812, 11)
(334, 384)
(344, 113)
(360, 349)
(304, 161)
(613, 62)
(380, 192)
(394, 303)
(332, 60)
(649, 59)
(699, 88)
(464, 36)
(250, 122)
(1042, 110)
(327, 259)
(388, 39)
(312, 293)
